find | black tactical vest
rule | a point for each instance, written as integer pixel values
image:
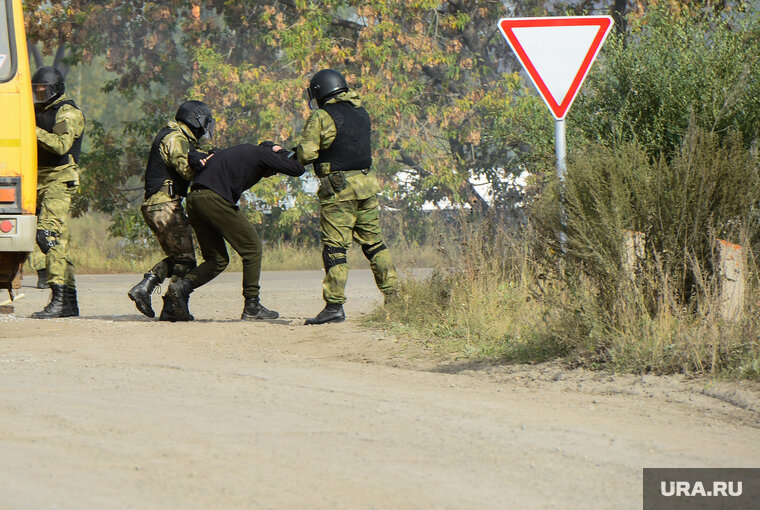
(351, 149)
(158, 171)
(46, 120)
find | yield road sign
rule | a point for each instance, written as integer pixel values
(557, 53)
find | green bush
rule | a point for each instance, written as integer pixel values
(709, 190)
(671, 71)
(662, 314)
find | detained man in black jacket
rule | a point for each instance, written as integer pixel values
(212, 209)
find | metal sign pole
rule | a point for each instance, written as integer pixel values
(560, 144)
(560, 149)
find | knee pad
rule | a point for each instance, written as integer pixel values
(43, 242)
(330, 262)
(370, 250)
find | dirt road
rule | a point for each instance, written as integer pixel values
(115, 411)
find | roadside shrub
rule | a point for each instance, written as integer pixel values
(480, 299)
(709, 190)
(671, 71)
(662, 314)
(526, 297)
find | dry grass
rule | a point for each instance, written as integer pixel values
(489, 298)
(96, 253)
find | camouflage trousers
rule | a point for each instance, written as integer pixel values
(169, 223)
(37, 259)
(357, 220)
(53, 215)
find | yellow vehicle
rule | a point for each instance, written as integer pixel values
(18, 148)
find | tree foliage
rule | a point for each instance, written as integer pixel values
(437, 78)
(671, 69)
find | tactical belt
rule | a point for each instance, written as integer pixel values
(347, 173)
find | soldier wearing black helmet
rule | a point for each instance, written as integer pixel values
(336, 139)
(167, 177)
(60, 126)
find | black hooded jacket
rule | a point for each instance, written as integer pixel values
(231, 171)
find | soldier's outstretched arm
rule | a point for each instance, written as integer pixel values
(279, 162)
(69, 125)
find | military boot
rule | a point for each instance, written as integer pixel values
(70, 305)
(42, 276)
(53, 309)
(167, 312)
(255, 311)
(178, 295)
(332, 312)
(140, 294)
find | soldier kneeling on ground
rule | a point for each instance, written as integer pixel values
(212, 208)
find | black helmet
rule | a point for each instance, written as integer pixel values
(47, 85)
(325, 84)
(198, 118)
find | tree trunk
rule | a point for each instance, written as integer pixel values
(618, 14)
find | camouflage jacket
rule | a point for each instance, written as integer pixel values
(69, 126)
(318, 134)
(173, 149)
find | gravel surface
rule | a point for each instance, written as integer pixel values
(116, 411)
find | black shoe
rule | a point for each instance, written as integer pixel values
(54, 309)
(42, 276)
(255, 311)
(331, 313)
(140, 294)
(178, 294)
(70, 305)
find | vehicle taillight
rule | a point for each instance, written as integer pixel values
(6, 226)
(7, 195)
(10, 195)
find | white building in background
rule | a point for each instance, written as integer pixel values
(480, 183)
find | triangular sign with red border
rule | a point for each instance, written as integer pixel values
(557, 53)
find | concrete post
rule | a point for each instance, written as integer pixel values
(732, 275)
(633, 251)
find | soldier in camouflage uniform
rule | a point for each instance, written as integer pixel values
(60, 126)
(336, 139)
(167, 178)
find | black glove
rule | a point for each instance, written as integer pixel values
(194, 158)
